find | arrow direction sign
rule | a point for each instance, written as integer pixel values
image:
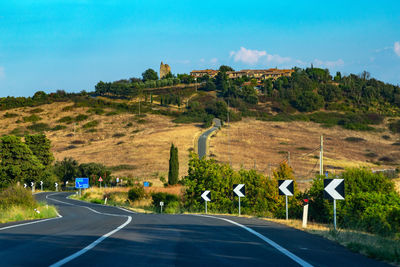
(32, 183)
(334, 189)
(206, 195)
(41, 182)
(239, 190)
(25, 185)
(81, 182)
(285, 187)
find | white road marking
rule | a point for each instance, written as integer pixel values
(97, 241)
(269, 241)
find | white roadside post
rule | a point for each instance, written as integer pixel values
(161, 205)
(285, 187)
(239, 190)
(334, 189)
(305, 212)
(33, 187)
(56, 184)
(207, 197)
(41, 185)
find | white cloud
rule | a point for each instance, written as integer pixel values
(247, 56)
(397, 48)
(329, 64)
(251, 57)
(2, 73)
(202, 60)
(214, 60)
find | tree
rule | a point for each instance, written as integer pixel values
(173, 165)
(40, 145)
(67, 169)
(150, 75)
(225, 68)
(17, 162)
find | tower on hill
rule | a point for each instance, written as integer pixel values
(164, 69)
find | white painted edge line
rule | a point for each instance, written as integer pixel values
(267, 240)
(118, 207)
(97, 241)
(92, 245)
(28, 223)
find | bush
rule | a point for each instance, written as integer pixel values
(39, 127)
(58, 127)
(118, 135)
(32, 118)
(136, 193)
(10, 115)
(36, 110)
(77, 142)
(16, 195)
(91, 124)
(81, 117)
(354, 139)
(66, 119)
(173, 207)
(395, 127)
(97, 111)
(164, 197)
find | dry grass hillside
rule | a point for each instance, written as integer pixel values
(141, 143)
(265, 144)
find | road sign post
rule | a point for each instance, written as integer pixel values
(56, 184)
(161, 205)
(285, 187)
(334, 189)
(81, 183)
(239, 190)
(33, 187)
(100, 180)
(207, 197)
(305, 212)
(41, 185)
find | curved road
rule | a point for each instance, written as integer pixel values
(202, 143)
(95, 235)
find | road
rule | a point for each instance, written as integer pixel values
(95, 235)
(202, 143)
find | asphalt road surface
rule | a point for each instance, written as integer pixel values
(96, 235)
(202, 143)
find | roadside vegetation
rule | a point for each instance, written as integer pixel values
(18, 204)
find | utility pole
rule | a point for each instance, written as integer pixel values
(321, 157)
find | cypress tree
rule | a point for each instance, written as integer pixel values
(173, 165)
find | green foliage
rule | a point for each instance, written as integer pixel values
(39, 127)
(36, 110)
(66, 119)
(32, 118)
(164, 197)
(18, 163)
(261, 193)
(371, 203)
(136, 193)
(40, 145)
(58, 128)
(67, 169)
(149, 75)
(173, 207)
(16, 195)
(395, 126)
(173, 173)
(90, 124)
(10, 115)
(80, 117)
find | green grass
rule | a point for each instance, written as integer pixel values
(22, 213)
(32, 118)
(39, 127)
(90, 124)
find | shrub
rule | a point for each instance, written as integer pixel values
(112, 113)
(77, 142)
(10, 115)
(136, 193)
(164, 197)
(32, 118)
(16, 195)
(58, 127)
(354, 139)
(97, 111)
(118, 135)
(90, 124)
(39, 127)
(66, 119)
(36, 110)
(172, 207)
(395, 127)
(81, 117)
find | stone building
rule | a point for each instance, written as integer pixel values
(164, 70)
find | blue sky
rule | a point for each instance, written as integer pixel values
(71, 45)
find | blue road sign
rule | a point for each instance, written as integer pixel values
(146, 184)
(81, 182)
